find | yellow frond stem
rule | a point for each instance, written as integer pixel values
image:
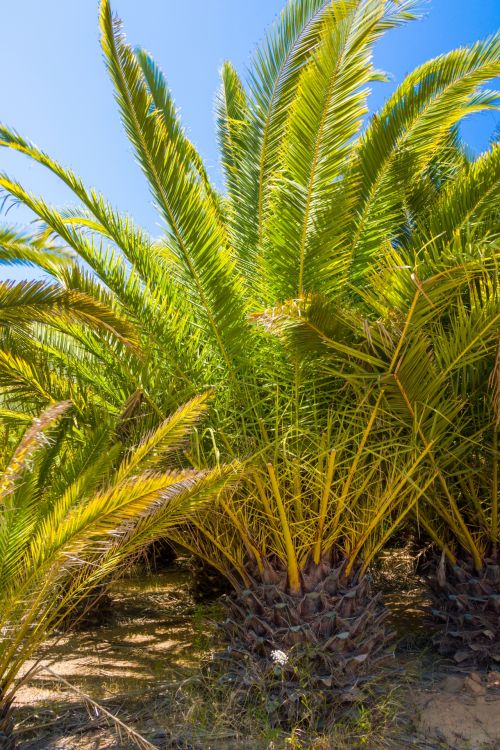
(292, 564)
(324, 506)
(354, 465)
(419, 491)
(243, 532)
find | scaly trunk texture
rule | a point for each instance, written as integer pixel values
(466, 612)
(7, 741)
(309, 654)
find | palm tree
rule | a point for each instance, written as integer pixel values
(425, 341)
(316, 197)
(73, 509)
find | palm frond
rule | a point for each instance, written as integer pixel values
(57, 546)
(325, 117)
(401, 141)
(19, 248)
(204, 260)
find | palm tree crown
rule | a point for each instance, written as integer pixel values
(309, 295)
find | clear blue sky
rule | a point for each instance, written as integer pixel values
(54, 88)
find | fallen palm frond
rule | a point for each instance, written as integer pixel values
(122, 729)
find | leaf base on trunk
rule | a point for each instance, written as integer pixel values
(466, 612)
(310, 654)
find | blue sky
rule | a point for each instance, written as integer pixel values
(54, 88)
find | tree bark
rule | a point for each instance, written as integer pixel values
(466, 612)
(309, 653)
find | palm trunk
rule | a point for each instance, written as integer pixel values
(7, 740)
(308, 653)
(466, 612)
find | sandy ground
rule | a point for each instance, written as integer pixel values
(137, 668)
(461, 711)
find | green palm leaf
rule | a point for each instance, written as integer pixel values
(58, 544)
(204, 260)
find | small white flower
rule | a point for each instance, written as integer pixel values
(279, 657)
